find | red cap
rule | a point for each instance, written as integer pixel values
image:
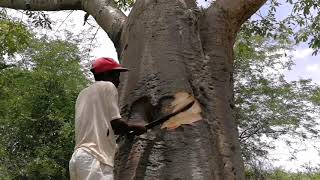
(104, 64)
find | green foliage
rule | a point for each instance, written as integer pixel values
(124, 4)
(301, 23)
(14, 37)
(267, 106)
(315, 98)
(37, 98)
(280, 174)
(39, 19)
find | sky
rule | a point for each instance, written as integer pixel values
(307, 155)
(306, 67)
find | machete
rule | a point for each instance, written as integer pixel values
(168, 116)
(162, 119)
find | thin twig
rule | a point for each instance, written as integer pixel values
(63, 22)
(94, 36)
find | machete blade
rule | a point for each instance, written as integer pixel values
(166, 117)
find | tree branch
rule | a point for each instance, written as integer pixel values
(105, 12)
(42, 5)
(110, 18)
(238, 11)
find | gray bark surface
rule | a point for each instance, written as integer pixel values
(162, 49)
(108, 16)
(170, 46)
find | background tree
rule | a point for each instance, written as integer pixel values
(10, 34)
(39, 83)
(171, 47)
(267, 106)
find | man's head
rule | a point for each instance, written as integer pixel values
(106, 69)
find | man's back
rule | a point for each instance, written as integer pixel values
(96, 106)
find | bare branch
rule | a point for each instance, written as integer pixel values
(245, 8)
(110, 18)
(94, 36)
(42, 5)
(63, 22)
(237, 11)
(105, 12)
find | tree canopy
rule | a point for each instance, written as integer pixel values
(38, 88)
(267, 105)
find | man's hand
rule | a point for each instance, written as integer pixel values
(137, 129)
(119, 126)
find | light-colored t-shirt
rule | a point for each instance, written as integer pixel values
(96, 106)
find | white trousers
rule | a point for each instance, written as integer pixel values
(84, 166)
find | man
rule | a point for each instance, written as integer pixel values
(97, 119)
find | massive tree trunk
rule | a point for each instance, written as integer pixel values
(171, 47)
(174, 50)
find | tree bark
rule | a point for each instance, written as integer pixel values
(42, 5)
(108, 16)
(217, 36)
(172, 48)
(237, 11)
(105, 12)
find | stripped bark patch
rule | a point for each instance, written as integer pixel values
(189, 116)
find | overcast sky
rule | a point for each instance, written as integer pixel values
(306, 65)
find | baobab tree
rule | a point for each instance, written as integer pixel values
(174, 51)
